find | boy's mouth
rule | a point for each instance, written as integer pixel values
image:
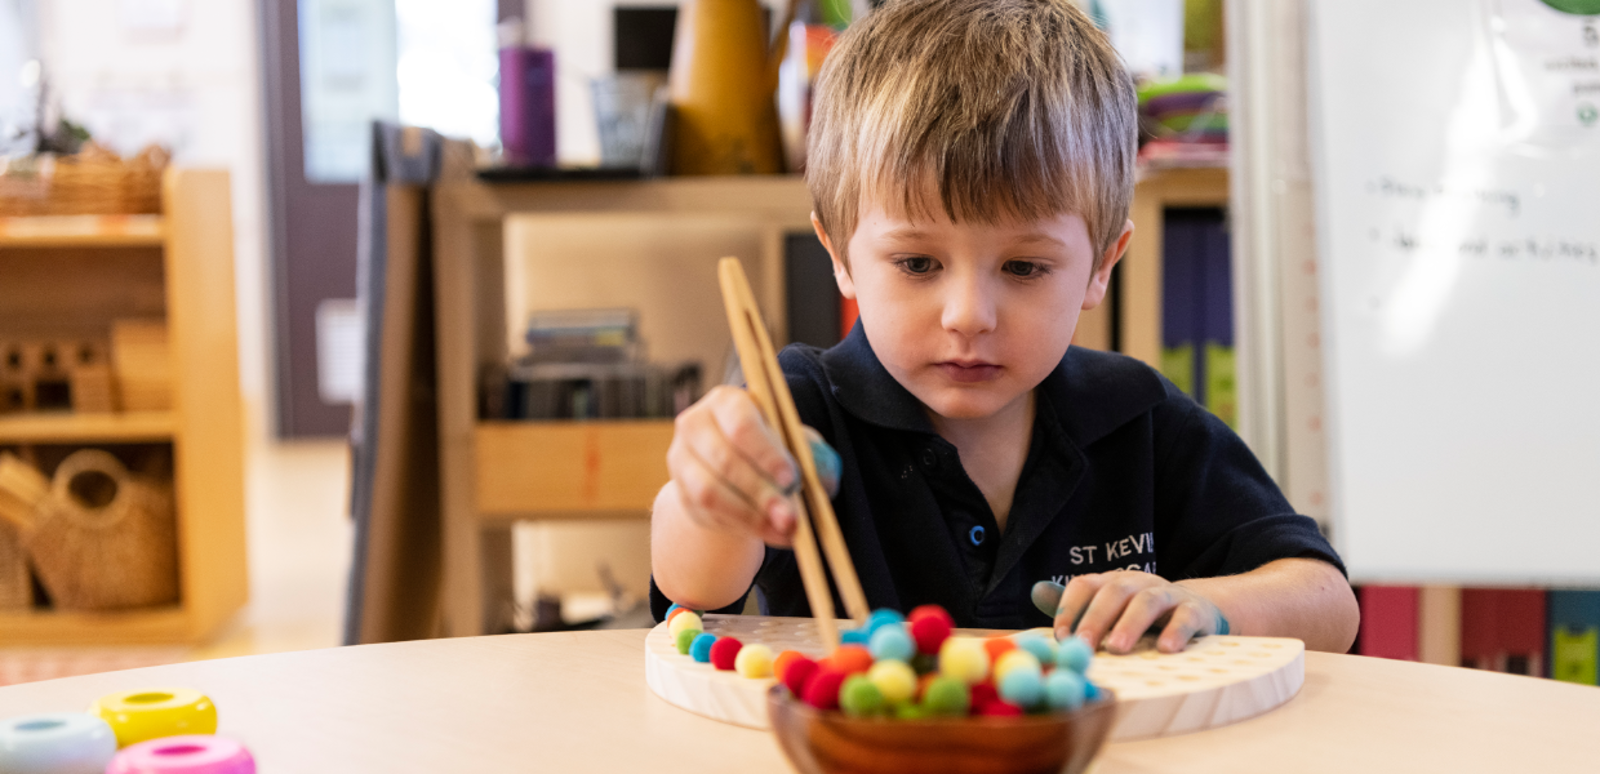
(968, 371)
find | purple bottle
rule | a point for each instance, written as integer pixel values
(528, 106)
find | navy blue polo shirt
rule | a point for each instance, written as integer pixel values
(1124, 471)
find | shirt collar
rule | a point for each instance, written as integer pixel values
(1092, 392)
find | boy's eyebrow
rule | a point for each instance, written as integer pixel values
(912, 233)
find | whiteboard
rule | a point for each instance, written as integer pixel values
(1456, 154)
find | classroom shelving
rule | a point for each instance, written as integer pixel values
(78, 274)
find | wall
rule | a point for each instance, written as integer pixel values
(194, 86)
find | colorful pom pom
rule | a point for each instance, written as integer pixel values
(822, 690)
(910, 711)
(686, 639)
(754, 661)
(925, 611)
(1042, 647)
(797, 674)
(782, 662)
(891, 641)
(724, 652)
(880, 618)
(997, 647)
(997, 709)
(1023, 685)
(1065, 689)
(983, 693)
(683, 620)
(930, 632)
(964, 659)
(947, 696)
(1074, 653)
(895, 680)
(860, 697)
(1013, 660)
(700, 649)
(849, 659)
(854, 637)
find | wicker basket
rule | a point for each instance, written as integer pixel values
(93, 182)
(16, 590)
(121, 555)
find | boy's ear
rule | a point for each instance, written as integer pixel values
(841, 272)
(1100, 280)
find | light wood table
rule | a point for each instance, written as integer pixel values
(578, 702)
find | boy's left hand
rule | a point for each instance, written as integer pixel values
(1114, 609)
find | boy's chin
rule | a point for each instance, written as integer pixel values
(966, 405)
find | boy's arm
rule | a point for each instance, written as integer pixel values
(697, 567)
(1304, 598)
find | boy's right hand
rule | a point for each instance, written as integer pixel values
(732, 471)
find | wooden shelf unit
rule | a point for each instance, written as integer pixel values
(587, 470)
(181, 264)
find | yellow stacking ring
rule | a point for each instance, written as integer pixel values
(137, 716)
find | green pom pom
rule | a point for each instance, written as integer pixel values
(947, 696)
(910, 711)
(859, 697)
(685, 639)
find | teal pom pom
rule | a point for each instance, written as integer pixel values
(1064, 689)
(700, 649)
(1042, 647)
(892, 642)
(1074, 653)
(880, 618)
(1090, 691)
(670, 608)
(854, 637)
(1023, 686)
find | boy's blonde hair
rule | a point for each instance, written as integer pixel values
(1008, 109)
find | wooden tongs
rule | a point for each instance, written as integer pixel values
(769, 389)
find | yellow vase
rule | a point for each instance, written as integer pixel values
(723, 77)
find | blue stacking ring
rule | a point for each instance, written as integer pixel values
(56, 743)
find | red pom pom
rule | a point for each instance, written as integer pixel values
(724, 651)
(997, 709)
(797, 674)
(923, 611)
(983, 693)
(930, 631)
(822, 691)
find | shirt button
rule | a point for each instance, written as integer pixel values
(976, 535)
(930, 459)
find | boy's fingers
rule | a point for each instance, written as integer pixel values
(717, 454)
(1144, 608)
(1106, 607)
(748, 434)
(1187, 621)
(711, 502)
(1075, 599)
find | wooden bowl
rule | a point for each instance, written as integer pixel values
(820, 742)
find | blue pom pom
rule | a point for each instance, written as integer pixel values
(1023, 686)
(881, 617)
(854, 637)
(891, 641)
(1042, 647)
(700, 649)
(1090, 691)
(670, 608)
(1064, 689)
(1074, 653)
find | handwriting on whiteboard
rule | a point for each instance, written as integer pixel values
(1388, 187)
(1528, 248)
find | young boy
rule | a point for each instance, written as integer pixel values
(971, 164)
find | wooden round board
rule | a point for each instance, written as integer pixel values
(1216, 681)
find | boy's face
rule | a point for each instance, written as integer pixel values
(971, 317)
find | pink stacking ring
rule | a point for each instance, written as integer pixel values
(184, 755)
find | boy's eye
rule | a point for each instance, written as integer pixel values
(917, 265)
(1024, 268)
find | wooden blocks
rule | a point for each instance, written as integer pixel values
(142, 364)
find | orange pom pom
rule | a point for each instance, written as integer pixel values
(997, 647)
(782, 662)
(849, 659)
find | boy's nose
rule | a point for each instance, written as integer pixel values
(969, 308)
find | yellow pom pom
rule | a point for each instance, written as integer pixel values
(896, 680)
(754, 660)
(963, 658)
(683, 621)
(1011, 660)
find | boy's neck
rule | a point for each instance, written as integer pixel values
(993, 450)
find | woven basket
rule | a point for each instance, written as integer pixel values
(93, 182)
(121, 555)
(16, 592)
